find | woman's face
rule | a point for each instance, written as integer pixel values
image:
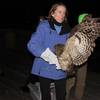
(59, 14)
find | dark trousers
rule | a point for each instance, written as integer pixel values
(60, 88)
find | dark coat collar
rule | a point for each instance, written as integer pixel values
(65, 27)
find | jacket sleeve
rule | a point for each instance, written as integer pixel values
(36, 42)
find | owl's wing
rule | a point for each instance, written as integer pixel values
(80, 45)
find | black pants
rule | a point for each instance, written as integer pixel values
(60, 87)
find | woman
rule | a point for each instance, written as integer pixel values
(50, 32)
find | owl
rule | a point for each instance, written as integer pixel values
(80, 45)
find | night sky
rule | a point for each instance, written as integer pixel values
(25, 14)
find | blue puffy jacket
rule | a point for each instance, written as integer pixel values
(45, 37)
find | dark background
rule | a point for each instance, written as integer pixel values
(19, 19)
